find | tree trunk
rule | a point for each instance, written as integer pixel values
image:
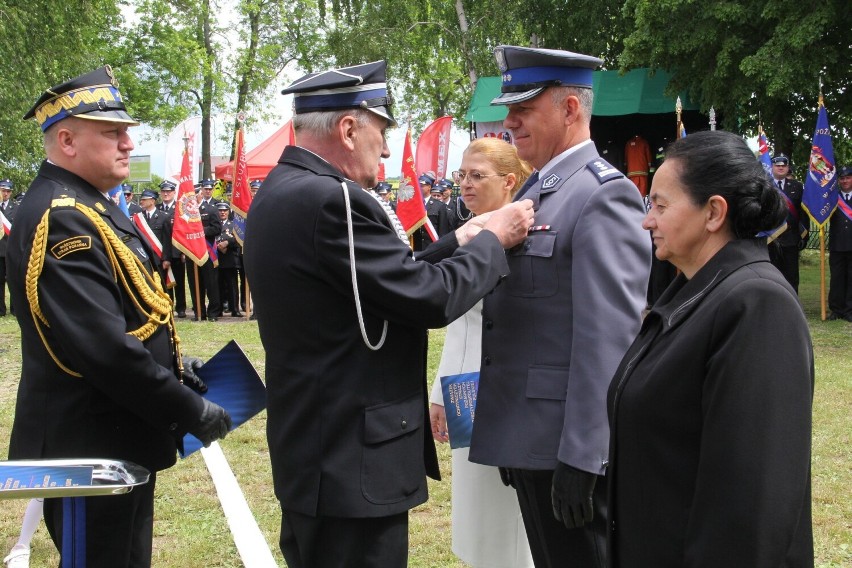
(468, 59)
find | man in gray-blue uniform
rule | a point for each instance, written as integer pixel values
(556, 329)
(343, 308)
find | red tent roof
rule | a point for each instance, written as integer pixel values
(263, 157)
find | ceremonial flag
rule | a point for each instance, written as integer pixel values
(187, 231)
(144, 228)
(410, 207)
(763, 149)
(433, 147)
(820, 195)
(241, 195)
(7, 225)
(118, 197)
(681, 129)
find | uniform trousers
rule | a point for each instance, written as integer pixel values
(228, 290)
(3, 287)
(786, 260)
(840, 284)
(335, 542)
(208, 285)
(551, 543)
(116, 530)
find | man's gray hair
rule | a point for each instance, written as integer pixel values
(585, 96)
(323, 123)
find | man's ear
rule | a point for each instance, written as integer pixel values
(65, 139)
(347, 131)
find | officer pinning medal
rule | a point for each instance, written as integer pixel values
(348, 428)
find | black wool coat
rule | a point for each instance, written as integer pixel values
(710, 419)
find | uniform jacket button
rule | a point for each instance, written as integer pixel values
(489, 324)
(404, 423)
(173, 426)
(486, 360)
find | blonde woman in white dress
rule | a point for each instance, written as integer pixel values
(488, 531)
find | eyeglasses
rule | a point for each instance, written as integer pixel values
(475, 177)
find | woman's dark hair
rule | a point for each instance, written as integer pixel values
(720, 163)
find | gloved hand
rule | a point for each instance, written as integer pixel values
(214, 424)
(803, 243)
(506, 476)
(572, 495)
(189, 378)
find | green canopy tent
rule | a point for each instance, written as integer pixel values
(625, 105)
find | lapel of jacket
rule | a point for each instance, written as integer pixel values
(557, 176)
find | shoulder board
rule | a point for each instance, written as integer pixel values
(603, 170)
(63, 197)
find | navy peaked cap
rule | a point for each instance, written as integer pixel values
(149, 194)
(93, 95)
(527, 71)
(360, 86)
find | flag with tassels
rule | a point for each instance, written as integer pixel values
(820, 195)
(410, 207)
(240, 193)
(187, 231)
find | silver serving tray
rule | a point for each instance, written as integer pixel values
(109, 477)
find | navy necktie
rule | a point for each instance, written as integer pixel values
(531, 181)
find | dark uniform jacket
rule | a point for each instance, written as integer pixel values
(231, 257)
(555, 330)
(9, 213)
(348, 430)
(128, 404)
(797, 219)
(710, 414)
(174, 252)
(436, 211)
(840, 228)
(159, 224)
(210, 220)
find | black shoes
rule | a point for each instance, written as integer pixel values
(181, 314)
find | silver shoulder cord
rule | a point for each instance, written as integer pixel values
(355, 279)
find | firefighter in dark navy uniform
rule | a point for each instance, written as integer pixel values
(101, 367)
(208, 280)
(230, 261)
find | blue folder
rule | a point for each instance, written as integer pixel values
(232, 383)
(460, 406)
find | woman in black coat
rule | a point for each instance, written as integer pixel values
(710, 409)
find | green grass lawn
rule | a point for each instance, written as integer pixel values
(190, 529)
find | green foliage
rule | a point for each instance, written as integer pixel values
(752, 60)
(44, 43)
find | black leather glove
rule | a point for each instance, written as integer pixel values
(803, 243)
(572, 495)
(188, 376)
(214, 424)
(506, 476)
